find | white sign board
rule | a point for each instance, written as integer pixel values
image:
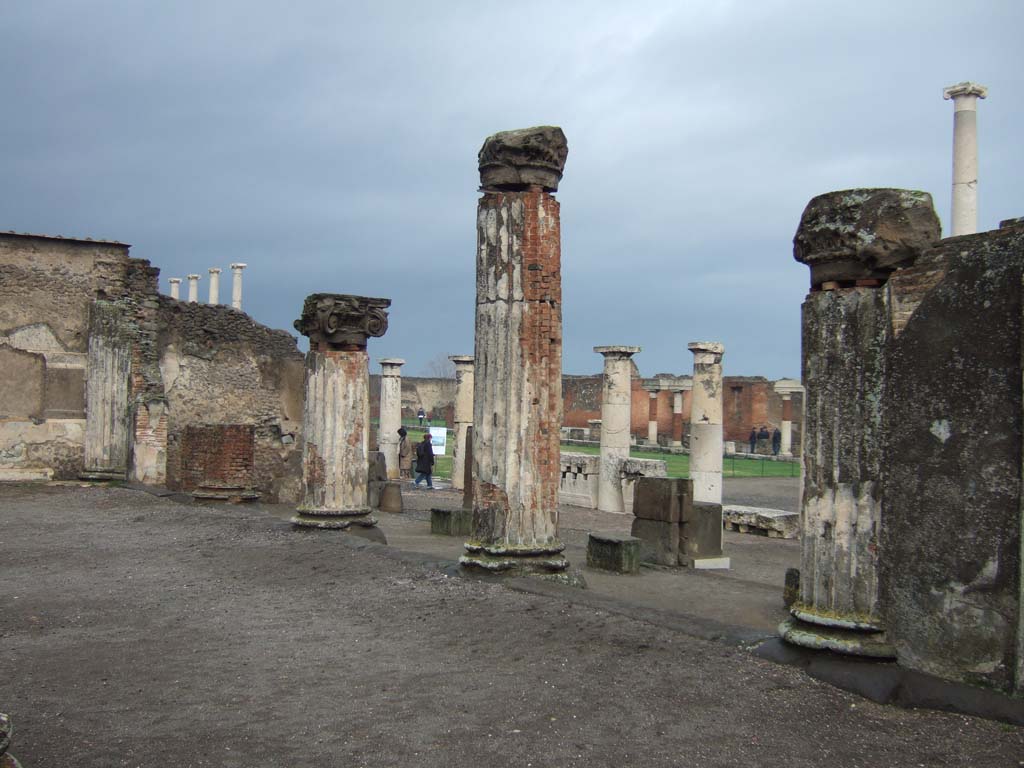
(439, 440)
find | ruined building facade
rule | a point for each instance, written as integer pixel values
(102, 377)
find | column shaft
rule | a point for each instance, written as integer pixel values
(677, 419)
(390, 414)
(706, 422)
(616, 413)
(652, 419)
(108, 370)
(787, 425)
(214, 295)
(464, 379)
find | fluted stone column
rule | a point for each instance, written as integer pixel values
(652, 417)
(193, 288)
(463, 416)
(964, 214)
(107, 418)
(214, 295)
(336, 419)
(175, 283)
(517, 391)
(786, 388)
(616, 413)
(706, 421)
(850, 235)
(236, 284)
(390, 413)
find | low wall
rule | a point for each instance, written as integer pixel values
(580, 472)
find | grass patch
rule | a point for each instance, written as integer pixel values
(678, 464)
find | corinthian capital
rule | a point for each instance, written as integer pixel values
(339, 321)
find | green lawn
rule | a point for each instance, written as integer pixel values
(678, 464)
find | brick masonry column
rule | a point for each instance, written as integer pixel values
(107, 386)
(963, 218)
(175, 283)
(786, 449)
(336, 419)
(652, 417)
(706, 421)
(390, 413)
(463, 416)
(616, 415)
(847, 239)
(677, 419)
(517, 391)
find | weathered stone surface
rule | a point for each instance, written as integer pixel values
(340, 321)
(613, 552)
(791, 587)
(463, 416)
(517, 160)
(659, 541)
(616, 401)
(22, 377)
(701, 533)
(776, 523)
(706, 432)
(391, 497)
(864, 233)
(657, 498)
(451, 522)
(390, 413)
(951, 580)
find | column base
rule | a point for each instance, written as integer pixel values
(853, 636)
(517, 561)
(333, 519)
(102, 475)
(225, 493)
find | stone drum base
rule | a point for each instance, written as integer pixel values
(513, 561)
(334, 520)
(823, 631)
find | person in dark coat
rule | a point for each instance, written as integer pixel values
(776, 442)
(753, 439)
(425, 461)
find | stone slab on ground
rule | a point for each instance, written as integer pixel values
(775, 523)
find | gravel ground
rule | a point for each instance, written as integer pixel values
(140, 632)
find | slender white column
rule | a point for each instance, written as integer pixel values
(616, 412)
(652, 418)
(193, 288)
(463, 416)
(236, 284)
(964, 215)
(706, 421)
(214, 296)
(787, 388)
(677, 419)
(390, 412)
(175, 287)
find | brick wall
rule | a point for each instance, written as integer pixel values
(215, 456)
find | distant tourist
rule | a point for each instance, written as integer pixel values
(753, 439)
(776, 442)
(404, 454)
(421, 415)
(425, 461)
(763, 433)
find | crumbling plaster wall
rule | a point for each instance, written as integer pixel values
(219, 366)
(951, 521)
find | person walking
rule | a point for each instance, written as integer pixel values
(421, 415)
(776, 441)
(753, 439)
(404, 454)
(424, 461)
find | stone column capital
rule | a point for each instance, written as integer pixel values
(965, 95)
(215, 270)
(391, 366)
(706, 352)
(462, 361)
(238, 266)
(524, 158)
(192, 277)
(174, 280)
(342, 321)
(619, 352)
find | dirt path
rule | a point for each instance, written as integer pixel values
(138, 632)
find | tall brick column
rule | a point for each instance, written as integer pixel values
(851, 240)
(652, 416)
(463, 416)
(616, 417)
(677, 419)
(706, 421)
(390, 412)
(517, 392)
(336, 420)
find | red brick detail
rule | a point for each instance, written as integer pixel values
(652, 409)
(216, 456)
(677, 427)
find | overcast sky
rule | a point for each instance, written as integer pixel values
(332, 146)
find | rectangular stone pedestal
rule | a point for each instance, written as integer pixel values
(613, 552)
(659, 541)
(451, 522)
(702, 537)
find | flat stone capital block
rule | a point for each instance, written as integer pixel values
(342, 321)
(174, 280)
(858, 234)
(238, 266)
(461, 359)
(959, 91)
(215, 270)
(524, 158)
(706, 352)
(391, 366)
(192, 277)
(617, 351)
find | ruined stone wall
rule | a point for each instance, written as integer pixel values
(436, 396)
(46, 288)
(951, 583)
(220, 367)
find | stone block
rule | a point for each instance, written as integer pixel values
(391, 497)
(373, 493)
(451, 522)
(775, 523)
(659, 541)
(21, 383)
(378, 466)
(613, 552)
(657, 498)
(701, 535)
